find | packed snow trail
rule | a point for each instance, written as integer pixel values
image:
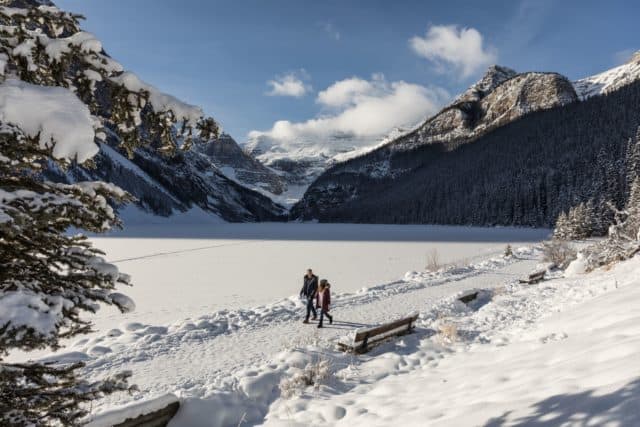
(197, 270)
(204, 351)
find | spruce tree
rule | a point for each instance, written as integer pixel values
(579, 223)
(561, 230)
(633, 159)
(632, 210)
(623, 240)
(49, 277)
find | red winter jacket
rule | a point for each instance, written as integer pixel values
(323, 299)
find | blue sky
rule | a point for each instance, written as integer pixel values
(223, 54)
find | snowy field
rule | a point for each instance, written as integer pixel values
(559, 353)
(191, 270)
(562, 352)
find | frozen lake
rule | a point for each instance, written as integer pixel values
(189, 270)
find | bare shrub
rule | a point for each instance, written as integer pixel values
(508, 251)
(433, 260)
(313, 374)
(461, 263)
(558, 252)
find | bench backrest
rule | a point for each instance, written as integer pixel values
(372, 332)
(537, 275)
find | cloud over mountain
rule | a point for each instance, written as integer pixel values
(361, 108)
(451, 46)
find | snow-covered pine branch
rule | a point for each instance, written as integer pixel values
(59, 91)
(29, 391)
(45, 46)
(48, 278)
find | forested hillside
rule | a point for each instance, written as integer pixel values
(524, 173)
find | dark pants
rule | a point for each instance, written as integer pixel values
(311, 308)
(325, 313)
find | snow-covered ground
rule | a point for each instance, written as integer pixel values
(189, 270)
(562, 352)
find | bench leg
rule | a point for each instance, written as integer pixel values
(363, 346)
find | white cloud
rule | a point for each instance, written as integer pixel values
(460, 48)
(290, 84)
(331, 30)
(359, 108)
(351, 91)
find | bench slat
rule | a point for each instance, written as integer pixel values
(370, 333)
(534, 277)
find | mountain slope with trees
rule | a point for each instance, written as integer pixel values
(526, 172)
(133, 145)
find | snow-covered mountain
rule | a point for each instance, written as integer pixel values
(489, 101)
(301, 161)
(396, 182)
(500, 97)
(171, 185)
(493, 77)
(214, 176)
(609, 80)
(225, 154)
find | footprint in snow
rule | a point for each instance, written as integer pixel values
(554, 337)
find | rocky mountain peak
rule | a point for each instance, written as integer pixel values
(493, 77)
(236, 164)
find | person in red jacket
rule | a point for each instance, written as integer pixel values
(323, 299)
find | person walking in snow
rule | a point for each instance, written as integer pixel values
(323, 300)
(309, 290)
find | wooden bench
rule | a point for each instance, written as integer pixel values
(365, 338)
(534, 277)
(156, 412)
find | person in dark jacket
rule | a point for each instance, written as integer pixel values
(309, 290)
(323, 300)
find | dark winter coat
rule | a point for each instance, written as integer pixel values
(323, 299)
(309, 286)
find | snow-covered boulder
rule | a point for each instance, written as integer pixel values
(577, 267)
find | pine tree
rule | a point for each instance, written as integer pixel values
(632, 209)
(623, 240)
(633, 159)
(561, 230)
(579, 223)
(48, 278)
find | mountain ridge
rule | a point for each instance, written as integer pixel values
(387, 171)
(144, 149)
